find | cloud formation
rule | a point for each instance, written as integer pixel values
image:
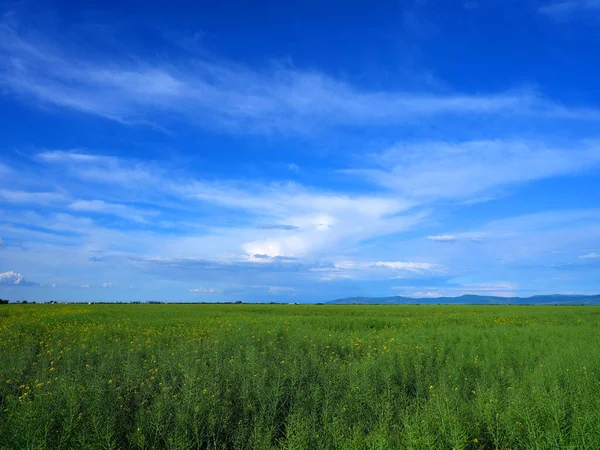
(24, 197)
(591, 255)
(115, 209)
(404, 265)
(206, 291)
(496, 289)
(442, 238)
(471, 169)
(229, 95)
(11, 278)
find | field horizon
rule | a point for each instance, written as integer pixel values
(464, 299)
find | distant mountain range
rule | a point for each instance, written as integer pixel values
(555, 299)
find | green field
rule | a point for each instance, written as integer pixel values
(299, 377)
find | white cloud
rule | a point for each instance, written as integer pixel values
(485, 287)
(11, 277)
(288, 246)
(290, 199)
(84, 286)
(496, 289)
(405, 265)
(442, 238)
(223, 94)
(322, 225)
(115, 209)
(592, 255)
(102, 169)
(526, 243)
(107, 285)
(379, 270)
(280, 290)
(25, 197)
(276, 290)
(319, 233)
(429, 171)
(315, 220)
(426, 294)
(62, 156)
(205, 291)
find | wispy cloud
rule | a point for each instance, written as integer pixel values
(280, 219)
(26, 197)
(280, 290)
(442, 238)
(205, 291)
(591, 256)
(115, 209)
(464, 170)
(227, 95)
(404, 265)
(102, 169)
(380, 270)
(278, 227)
(526, 242)
(496, 289)
(564, 9)
(286, 228)
(487, 287)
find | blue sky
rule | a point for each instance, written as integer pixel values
(298, 151)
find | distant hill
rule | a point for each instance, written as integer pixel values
(555, 299)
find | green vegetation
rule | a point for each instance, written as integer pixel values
(299, 377)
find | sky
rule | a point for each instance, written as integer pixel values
(298, 151)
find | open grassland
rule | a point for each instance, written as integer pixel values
(299, 377)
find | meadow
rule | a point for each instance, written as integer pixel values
(299, 377)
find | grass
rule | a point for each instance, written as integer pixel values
(299, 377)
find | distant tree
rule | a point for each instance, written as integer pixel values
(24, 302)
(3, 302)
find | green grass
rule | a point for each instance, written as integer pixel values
(299, 377)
